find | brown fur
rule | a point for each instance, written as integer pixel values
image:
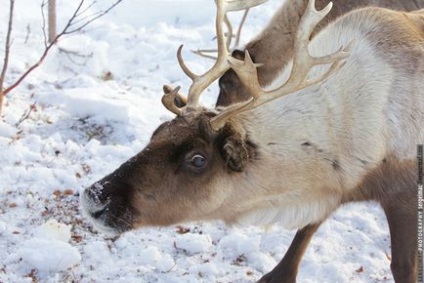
(274, 45)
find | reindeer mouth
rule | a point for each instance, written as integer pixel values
(99, 213)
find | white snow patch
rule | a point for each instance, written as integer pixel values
(193, 243)
(54, 230)
(49, 250)
(47, 255)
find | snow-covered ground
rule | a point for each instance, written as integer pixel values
(96, 102)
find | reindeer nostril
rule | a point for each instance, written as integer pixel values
(98, 213)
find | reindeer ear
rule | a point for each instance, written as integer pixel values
(235, 153)
(238, 54)
(231, 90)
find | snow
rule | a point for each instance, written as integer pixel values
(54, 230)
(48, 251)
(97, 101)
(193, 243)
(47, 256)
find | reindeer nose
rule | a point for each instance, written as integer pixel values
(95, 200)
(98, 193)
(106, 205)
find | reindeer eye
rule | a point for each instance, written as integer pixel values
(198, 160)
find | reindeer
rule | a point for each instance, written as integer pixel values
(273, 47)
(342, 128)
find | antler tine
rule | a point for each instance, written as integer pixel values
(302, 64)
(229, 32)
(168, 99)
(230, 35)
(238, 35)
(238, 5)
(200, 83)
(303, 61)
(183, 66)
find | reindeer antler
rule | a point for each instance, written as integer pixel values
(302, 64)
(201, 82)
(207, 53)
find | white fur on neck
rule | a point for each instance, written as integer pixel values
(291, 215)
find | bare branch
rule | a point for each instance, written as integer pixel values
(6, 52)
(7, 45)
(68, 29)
(30, 69)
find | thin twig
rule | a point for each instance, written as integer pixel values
(6, 52)
(87, 8)
(26, 114)
(28, 30)
(99, 15)
(69, 54)
(73, 17)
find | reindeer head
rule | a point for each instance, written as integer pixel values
(200, 164)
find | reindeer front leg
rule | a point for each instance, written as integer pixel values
(402, 218)
(286, 270)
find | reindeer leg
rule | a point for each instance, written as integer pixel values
(402, 218)
(286, 270)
